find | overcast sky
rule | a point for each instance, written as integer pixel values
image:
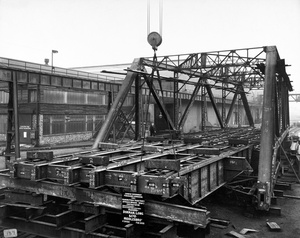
(101, 32)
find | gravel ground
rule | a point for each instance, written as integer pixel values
(289, 220)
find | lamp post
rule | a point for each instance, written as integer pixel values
(53, 52)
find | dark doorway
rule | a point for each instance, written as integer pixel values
(161, 124)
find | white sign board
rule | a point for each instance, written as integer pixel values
(10, 233)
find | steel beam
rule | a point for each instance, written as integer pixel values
(137, 107)
(188, 215)
(108, 200)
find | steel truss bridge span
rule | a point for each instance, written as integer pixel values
(243, 69)
(173, 171)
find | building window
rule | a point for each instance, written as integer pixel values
(32, 96)
(57, 124)
(46, 125)
(60, 124)
(45, 79)
(76, 123)
(23, 95)
(3, 124)
(53, 97)
(89, 123)
(70, 97)
(4, 97)
(22, 77)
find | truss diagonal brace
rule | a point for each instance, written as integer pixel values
(159, 103)
(231, 107)
(212, 99)
(246, 105)
(117, 104)
(190, 103)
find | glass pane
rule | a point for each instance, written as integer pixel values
(86, 84)
(33, 78)
(94, 85)
(46, 125)
(45, 79)
(76, 83)
(21, 77)
(67, 82)
(101, 86)
(56, 81)
(76, 123)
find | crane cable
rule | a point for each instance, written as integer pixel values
(160, 16)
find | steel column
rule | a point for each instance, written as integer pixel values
(224, 86)
(176, 102)
(137, 107)
(38, 99)
(267, 132)
(277, 106)
(203, 108)
(16, 115)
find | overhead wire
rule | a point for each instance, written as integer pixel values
(148, 17)
(160, 16)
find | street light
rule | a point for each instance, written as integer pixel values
(53, 52)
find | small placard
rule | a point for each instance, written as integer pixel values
(10, 233)
(133, 208)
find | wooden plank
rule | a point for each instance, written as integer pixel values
(273, 226)
(219, 221)
(235, 234)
